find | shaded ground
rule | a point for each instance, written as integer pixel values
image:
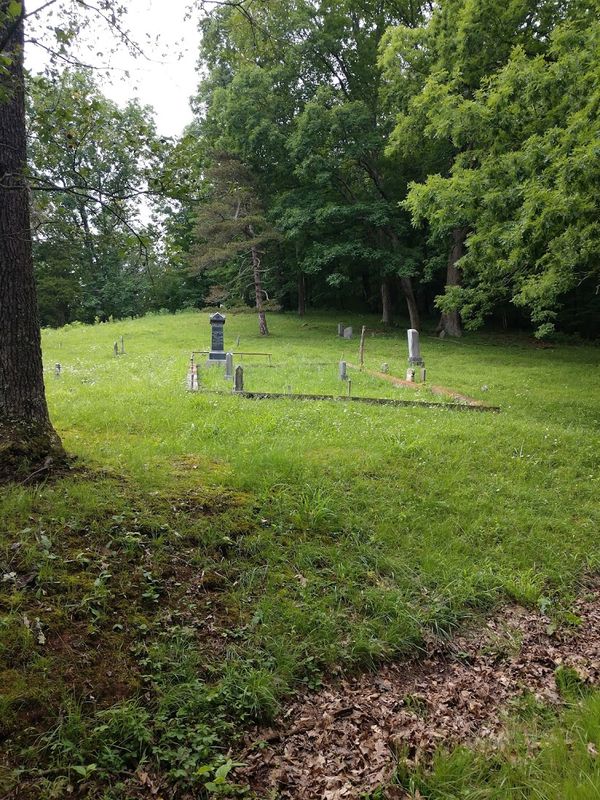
(346, 739)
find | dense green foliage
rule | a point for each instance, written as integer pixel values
(90, 164)
(221, 552)
(99, 175)
(393, 150)
(478, 119)
(523, 179)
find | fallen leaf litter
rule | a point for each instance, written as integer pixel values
(344, 740)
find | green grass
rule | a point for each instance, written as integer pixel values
(217, 552)
(543, 759)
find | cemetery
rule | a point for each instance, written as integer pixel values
(299, 400)
(202, 528)
(303, 379)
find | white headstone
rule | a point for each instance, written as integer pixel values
(414, 350)
(348, 332)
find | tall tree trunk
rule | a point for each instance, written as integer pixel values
(409, 295)
(258, 291)
(450, 322)
(301, 294)
(406, 286)
(28, 441)
(386, 302)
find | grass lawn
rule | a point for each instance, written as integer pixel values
(212, 552)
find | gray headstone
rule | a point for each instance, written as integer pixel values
(116, 348)
(414, 350)
(57, 370)
(340, 328)
(238, 385)
(122, 346)
(348, 333)
(385, 368)
(228, 366)
(343, 371)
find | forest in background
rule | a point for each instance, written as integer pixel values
(375, 155)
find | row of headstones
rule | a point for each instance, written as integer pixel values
(416, 366)
(193, 379)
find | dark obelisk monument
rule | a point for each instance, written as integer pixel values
(217, 353)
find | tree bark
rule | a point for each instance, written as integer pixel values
(386, 302)
(258, 291)
(28, 442)
(406, 287)
(409, 295)
(450, 323)
(301, 294)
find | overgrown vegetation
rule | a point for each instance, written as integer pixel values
(214, 553)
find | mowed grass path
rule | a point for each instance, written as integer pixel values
(318, 535)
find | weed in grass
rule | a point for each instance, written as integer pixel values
(570, 684)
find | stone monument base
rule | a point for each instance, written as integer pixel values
(216, 357)
(416, 374)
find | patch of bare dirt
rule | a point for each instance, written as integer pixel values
(343, 740)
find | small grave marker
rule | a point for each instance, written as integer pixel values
(385, 368)
(228, 366)
(341, 329)
(122, 346)
(343, 371)
(57, 370)
(116, 348)
(192, 376)
(348, 332)
(238, 385)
